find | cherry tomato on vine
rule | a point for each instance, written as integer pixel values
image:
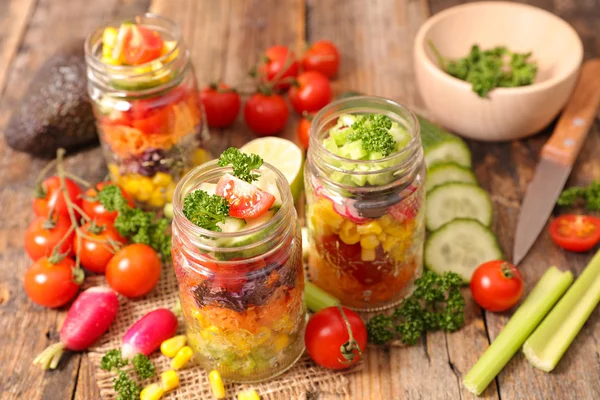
(51, 198)
(134, 270)
(312, 92)
(496, 285)
(141, 45)
(44, 234)
(303, 132)
(266, 114)
(322, 56)
(327, 332)
(98, 246)
(575, 232)
(280, 64)
(52, 282)
(95, 210)
(221, 104)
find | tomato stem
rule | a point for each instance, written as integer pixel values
(507, 271)
(351, 347)
(77, 179)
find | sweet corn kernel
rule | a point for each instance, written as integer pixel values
(109, 36)
(169, 380)
(210, 333)
(389, 243)
(152, 392)
(385, 221)
(157, 199)
(216, 384)
(396, 230)
(348, 233)
(325, 212)
(162, 179)
(145, 188)
(106, 51)
(167, 47)
(170, 347)
(369, 227)
(369, 242)
(367, 254)
(131, 186)
(248, 394)
(382, 236)
(183, 356)
(264, 334)
(109, 60)
(281, 341)
(114, 172)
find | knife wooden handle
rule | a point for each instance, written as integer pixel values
(577, 117)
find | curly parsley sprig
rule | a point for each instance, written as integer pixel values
(125, 387)
(205, 210)
(373, 131)
(242, 164)
(588, 195)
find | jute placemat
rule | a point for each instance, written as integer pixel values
(303, 377)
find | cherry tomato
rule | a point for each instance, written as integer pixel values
(245, 200)
(312, 93)
(51, 284)
(278, 58)
(96, 249)
(43, 235)
(95, 210)
(52, 198)
(303, 132)
(141, 45)
(575, 232)
(157, 121)
(221, 105)
(327, 332)
(322, 56)
(134, 270)
(496, 285)
(266, 114)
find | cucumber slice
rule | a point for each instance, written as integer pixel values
(448, 172)
(243, 240)
(232, 224)
(457, 200)
(440, 146)
(461, 246)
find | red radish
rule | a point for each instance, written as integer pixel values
(90, 316)
(149, 332)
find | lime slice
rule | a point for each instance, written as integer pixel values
(284, 155)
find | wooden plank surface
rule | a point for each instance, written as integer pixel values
(226, 38)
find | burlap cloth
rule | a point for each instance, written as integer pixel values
(303, 377)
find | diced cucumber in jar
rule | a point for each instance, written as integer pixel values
(442, 146)
(232, 224)
(448, 172)
(461, 246)
(243, 240)
(457, 200)
(210, 188)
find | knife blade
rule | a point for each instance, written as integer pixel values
(557, 158)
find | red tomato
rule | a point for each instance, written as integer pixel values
(221, 105)
(322, 56)
(43, 235)
(575, 232)
(496, 285)
(141, 45)
(245, 200)
(266, 114)
(96, 249)
(155, 122)
(312, 93)
(134, 270)
(51, 284)
(278, 58)
(53, 199)
(95, 210)
(303, 132)
(327, 332)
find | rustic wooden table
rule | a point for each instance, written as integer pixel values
(375, 38)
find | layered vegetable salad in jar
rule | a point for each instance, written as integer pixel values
(364, 187)
(237, 254)
(145, 99)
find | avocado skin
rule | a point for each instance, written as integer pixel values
(56, 110)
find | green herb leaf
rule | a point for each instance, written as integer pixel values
(242, 163)
(373, 131)
(143, 366)
(204, 210)
(126, 388)
(589, 195)
(113, 360)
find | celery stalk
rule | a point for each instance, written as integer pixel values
(535, 307)
(552, 338)
(316, 298)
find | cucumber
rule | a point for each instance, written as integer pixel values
(461, 246)
(440, 146)
(448, 172)
(210, 188)
(232, 224)
(457, 200)
(243, 240)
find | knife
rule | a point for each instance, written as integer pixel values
(557, 158)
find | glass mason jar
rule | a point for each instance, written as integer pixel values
(243, 304)
(149, 116)
(365, 218)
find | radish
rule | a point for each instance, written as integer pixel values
(90, 316)
(149, 332)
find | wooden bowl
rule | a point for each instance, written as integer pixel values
(507, 113)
